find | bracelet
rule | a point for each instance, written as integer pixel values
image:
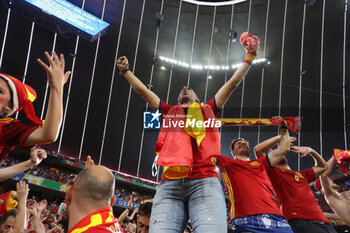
(250, 57)
(124, 69)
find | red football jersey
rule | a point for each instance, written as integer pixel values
(295, 195)
(12, 133)
(100, 221)
(249, 188)
(106, 228)
(199, 170)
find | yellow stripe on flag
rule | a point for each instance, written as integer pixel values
(31, 97)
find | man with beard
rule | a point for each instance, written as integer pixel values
(190, 186)
(294, 194)
(15, 96)
(253, 204)
(89, 200)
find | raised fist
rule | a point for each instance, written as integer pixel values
(37, 155)
(122, 63)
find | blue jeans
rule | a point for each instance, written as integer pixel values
(200, 200)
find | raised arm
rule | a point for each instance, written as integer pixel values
(136, 210)
(36, 156)
(339, 204)
(320, 165)
(264, 146)
(227, 89)
(56, 79)
(38, 226)
(275, 156)
(21, 197)
(126, 211)
(151, 98)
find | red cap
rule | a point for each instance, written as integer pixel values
(22, 98)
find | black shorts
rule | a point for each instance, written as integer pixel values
(310, 226)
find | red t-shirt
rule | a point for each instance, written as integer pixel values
(249, 188)
(199, 170)
(12, 133)
(295, 195)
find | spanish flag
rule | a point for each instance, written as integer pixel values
(8, 202)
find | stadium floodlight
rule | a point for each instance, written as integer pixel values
(62, 17)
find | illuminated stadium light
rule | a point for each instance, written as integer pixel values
(173, 62)
(61, 16)
(197, 67)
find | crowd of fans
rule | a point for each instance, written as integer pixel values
(76, 161)
(52, 173)
(48, 210)
(124, 194)
(51, 217)
(64, 177)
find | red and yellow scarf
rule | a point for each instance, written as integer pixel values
(293, 123)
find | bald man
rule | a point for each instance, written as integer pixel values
(89, 202)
